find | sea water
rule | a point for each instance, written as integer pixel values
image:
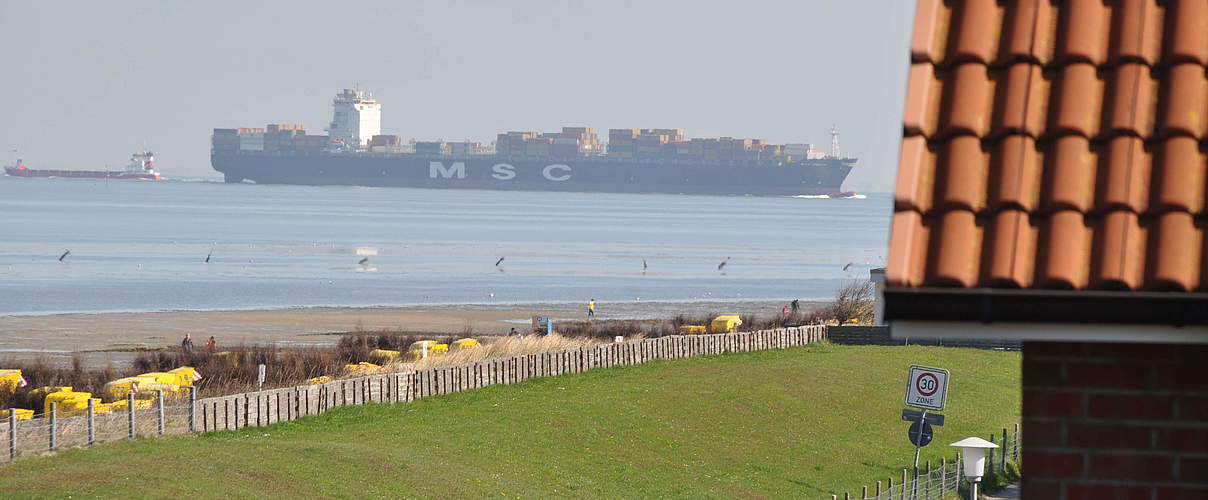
(142, 246)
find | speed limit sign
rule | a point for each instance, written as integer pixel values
(927, 387)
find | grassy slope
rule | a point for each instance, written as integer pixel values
(799, 423)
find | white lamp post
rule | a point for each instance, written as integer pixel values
(973, 458)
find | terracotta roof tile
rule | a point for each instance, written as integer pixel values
(1010, 250)
(1174, 253)
(1118, 256)
(1136, 32)
(916, 176)
(961, 175)
(1184, 107)
(1030, 33)
(1082, 31)
(967, 106)
(1063, 251)
(1015, 170)
(976, 25)
(1021, 96)
(1186, 32)
(1056, 145)
(1069, 175)
(1124, 168)
(956, 243)
(1179, 177)
(1077, 101)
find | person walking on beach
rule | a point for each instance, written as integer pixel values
(591, 308)
(515, 333)
(796, 305)
(187, 343)
(210, 344)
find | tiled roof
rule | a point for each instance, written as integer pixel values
(1054, 145)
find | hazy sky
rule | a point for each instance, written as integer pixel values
(85, 83)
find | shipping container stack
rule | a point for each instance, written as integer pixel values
(280, 137)
(622, 142)
(385, 144)
(431, 148)
(464, 148)
(512, 143)
(538, 147)
(574, 142)
(310, 143)
(225, 139)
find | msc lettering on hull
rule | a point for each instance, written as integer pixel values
(437, 168)
(503, 172)
(500, 171)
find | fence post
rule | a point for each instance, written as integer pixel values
(1015, 445)
(192, 408)
(130, 415)
(890, 484)
(878, 490)
(159, 403)
(846, 496)
(91, 421)
(904, 484)
(54, 426)
(927, 482)
(12, 434)
(990, 457)
(1003, 456)
(943, 476)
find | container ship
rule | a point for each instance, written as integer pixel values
(141, 167)
(355, 152)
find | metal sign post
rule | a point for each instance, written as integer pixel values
(926, 389)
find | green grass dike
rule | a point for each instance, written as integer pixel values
(796, 423)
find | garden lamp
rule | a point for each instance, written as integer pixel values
(973, 458)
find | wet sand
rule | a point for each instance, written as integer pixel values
(101, 337)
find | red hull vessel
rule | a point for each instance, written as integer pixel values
(141, 167)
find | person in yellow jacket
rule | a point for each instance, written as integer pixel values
(591, 308)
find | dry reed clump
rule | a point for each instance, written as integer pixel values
(609, 328)
(502, 347)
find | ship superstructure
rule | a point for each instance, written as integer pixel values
(356, 119)
(354, 152)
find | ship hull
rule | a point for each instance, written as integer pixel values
(815, 177)
(80, 174)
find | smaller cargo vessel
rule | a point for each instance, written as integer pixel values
(141, 167)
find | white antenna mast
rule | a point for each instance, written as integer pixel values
(835, 142)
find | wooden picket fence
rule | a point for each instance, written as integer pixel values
(267, 407)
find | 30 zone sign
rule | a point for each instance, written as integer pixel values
(927, 387)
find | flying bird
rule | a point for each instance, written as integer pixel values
(500, 261)
(363, 261)
(643, 264)
(723, 264)
(848, 266)
(64, 256)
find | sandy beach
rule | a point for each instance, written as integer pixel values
(101, 337)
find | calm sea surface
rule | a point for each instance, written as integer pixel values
(141, 246)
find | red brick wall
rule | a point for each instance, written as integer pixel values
(1115, 421)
